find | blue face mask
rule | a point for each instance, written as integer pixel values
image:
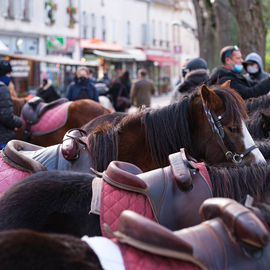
(237, 68)
(5, 79)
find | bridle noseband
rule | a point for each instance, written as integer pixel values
(217, 128)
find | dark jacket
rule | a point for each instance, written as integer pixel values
(8, 121)
(192, 80)
(77, 91)
(118, 89)
(48, 93)
(242, 85)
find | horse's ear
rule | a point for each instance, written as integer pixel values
(226, 84)
(210, 98)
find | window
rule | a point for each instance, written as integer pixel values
(114, 36)
(103, 28)
(167, 35)
(84, 25)
(153, 31)
(9, 9)
(160, 30)
(27, 9)
(128, 33)
(93, 25)
(144, 34)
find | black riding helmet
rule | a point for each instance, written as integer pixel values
(5, 67)
(196, 63)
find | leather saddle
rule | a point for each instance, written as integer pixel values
(174, 192)
(33, 110)
(33, 158)
(232, 238)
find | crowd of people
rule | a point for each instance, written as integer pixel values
(123, 93)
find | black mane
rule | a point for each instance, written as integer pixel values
(236, 182)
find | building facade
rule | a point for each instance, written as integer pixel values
(52, 37)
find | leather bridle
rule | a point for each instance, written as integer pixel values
(216, 126)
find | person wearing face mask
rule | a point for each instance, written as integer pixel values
(81, 87)
(231, 68)
(8, 121)
(253, 65)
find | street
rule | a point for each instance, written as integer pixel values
(161, 101)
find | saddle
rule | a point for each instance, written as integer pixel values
(34, 109)
(33, 158)
(174, 192)
(234, 238)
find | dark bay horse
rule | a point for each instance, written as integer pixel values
(258, 124)
(258, 103)
(79, 113)
(60, 201)
(230, 245)
(209, 125)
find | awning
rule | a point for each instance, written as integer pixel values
(162, 60)
(128, 55)
(97, 44)
(62, 60)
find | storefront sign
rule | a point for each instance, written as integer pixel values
(20, 68)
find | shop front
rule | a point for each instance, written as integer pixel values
(159, 66)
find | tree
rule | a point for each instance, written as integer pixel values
(229, 22)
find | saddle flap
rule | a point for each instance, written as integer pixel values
(179, 165)
(124, 174)
(143, 233)
(240, 221)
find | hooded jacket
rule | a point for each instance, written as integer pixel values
(246, 89)
(261, 74)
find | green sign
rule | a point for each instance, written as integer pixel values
(56, 43)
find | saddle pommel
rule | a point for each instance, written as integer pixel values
(240, 221)
(125, 174)
(145, 234)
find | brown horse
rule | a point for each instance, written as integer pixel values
(79, 113)
(209, 125)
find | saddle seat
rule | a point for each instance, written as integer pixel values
(33, 110)
(214, 244)
(13, 155)
(33, 158)
(181, 183)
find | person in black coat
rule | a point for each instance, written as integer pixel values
(231, 58)
(8, 121)
(47, 91)
(195, 74)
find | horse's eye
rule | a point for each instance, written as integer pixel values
(234, 129)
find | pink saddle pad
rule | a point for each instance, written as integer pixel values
(9, 175)
(51, 120)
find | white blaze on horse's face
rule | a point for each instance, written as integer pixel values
(248, 142)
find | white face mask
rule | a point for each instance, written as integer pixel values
(252, 69)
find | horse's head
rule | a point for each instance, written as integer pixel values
(218, 116)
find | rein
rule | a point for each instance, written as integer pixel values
(216, 126)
